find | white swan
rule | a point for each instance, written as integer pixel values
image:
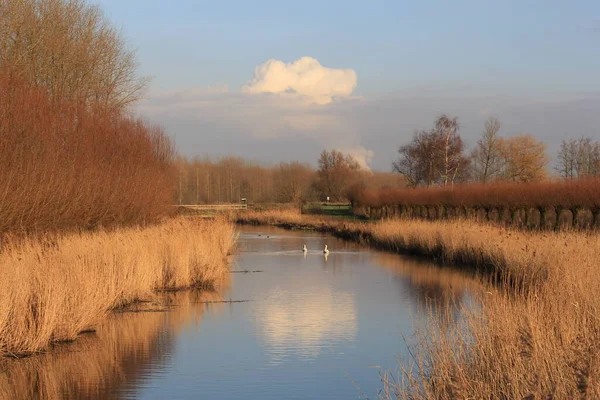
(304, 249)
(325, 251)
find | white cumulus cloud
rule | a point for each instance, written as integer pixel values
(360, 154)
(305, 77)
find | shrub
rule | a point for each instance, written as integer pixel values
(67, 165)
(583, 193)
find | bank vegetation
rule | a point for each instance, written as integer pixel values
(86, 188)
(537, 332)
(53, 289)
(119, 353)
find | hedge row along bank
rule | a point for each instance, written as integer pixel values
(551, 205)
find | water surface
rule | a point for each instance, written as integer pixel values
(311, 327)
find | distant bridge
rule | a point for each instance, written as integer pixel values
(213, 207)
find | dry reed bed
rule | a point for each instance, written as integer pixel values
(102, 364)
(496, 252)
(51, 290)
(275, 217)
(520, 259)
(540, 340)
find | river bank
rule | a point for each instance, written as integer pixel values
(54, 288)
(299, 327)
(112, 360)
(537, 334)
(466, 244)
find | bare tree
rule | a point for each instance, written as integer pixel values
(450, 147)
(434, 157)
(594, 165)
(336, 173)
(587, 158)
(524, 159)
(69, 48)
(566, 159)
(578, 158)
(205, 180)
(417, 160)
(486, 158)
(291, 181)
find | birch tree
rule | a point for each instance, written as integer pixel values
(449, 146)
(434, 157)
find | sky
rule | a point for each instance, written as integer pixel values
(278, 80)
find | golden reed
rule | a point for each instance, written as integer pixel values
(55, 288)
(536, 334)
(113, 359)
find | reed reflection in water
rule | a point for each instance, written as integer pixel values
(311, 328)
(111, 363)
(438, 292)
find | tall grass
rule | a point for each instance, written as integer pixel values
(53, 289)
(541, 344)
(505, 255)
(583, 193)
(110, 361)
(67, 165)
(518, 259)
(274, 217)
(536, 335)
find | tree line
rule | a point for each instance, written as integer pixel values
(227, 180)
(439, 157)
(435, 157)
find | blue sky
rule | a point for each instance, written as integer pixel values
(530, 49)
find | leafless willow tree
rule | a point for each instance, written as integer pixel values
(486, 158)
(524, 159)
(336, 174)
(70, 48)
(291, 181)
(578, 158)
(227, 180)
(416, 161)
(435, 156)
